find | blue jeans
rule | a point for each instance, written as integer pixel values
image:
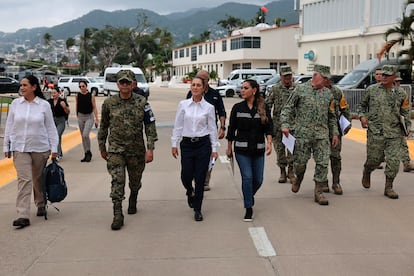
(251, 169)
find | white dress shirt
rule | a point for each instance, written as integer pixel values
(30, 127)
(195, 119)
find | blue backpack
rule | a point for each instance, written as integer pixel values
(54, 184)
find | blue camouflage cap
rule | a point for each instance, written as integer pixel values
(125, 75)
(324, 70)
(389, 69)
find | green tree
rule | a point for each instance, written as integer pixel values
(47, 38)
(85, 44)
(231, 23)
(278, 21)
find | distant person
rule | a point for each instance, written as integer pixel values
(125, 117)
(30, 136)
(379, 111)
(213, 97)
(45, 84)
(60, 110)
(86, 111)
(195, 131)
(250, 133)
(275, 101)
(313, 107)
(136, 89)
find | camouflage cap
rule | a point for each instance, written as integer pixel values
(285, 70)
(125, 75)
(398, 78)
(324, 70)
(389, 69)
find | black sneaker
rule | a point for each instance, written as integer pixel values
(249, 215)
(198, 216)
(21, 223)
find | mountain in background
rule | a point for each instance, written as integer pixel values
(182, 25)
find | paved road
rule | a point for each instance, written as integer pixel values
(359, 233)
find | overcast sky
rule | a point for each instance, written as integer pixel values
(18, 14)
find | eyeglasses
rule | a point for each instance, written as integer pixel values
(123, 82)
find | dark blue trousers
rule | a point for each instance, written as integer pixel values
(195, 158)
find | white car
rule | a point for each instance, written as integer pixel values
(70, 85)
(227, 90)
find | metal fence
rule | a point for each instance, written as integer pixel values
(4, 110)
(353, 97)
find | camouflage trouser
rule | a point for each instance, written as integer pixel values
(320, 149)
(336, 160)
(116, 165)
(380, 149)
(284, 157)
(405, 153)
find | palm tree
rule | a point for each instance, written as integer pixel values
(278, 21)
(231, 23)
(400, 34)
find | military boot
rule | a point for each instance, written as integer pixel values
(325, 187)
(296, 184)
(132, 207)
(408, 167)
(319, 195)
(389, 192)
(291, 175)
(336, 187)
(118, 221)
(282, 178)
(366, 179)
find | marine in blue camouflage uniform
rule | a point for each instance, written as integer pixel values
(277, 98)
(313, 107)
(380, 110)
(126, 116)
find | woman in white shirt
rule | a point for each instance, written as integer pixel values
(30, 136)
(195, 123)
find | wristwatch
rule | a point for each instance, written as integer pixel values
(223, 127)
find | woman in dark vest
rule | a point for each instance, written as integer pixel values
(86, 111)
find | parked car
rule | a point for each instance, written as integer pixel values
(227, 90)
(296, 78)
(9, 85)
(262, 80)
(70, 85)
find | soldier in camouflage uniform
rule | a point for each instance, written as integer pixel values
(341, 109)
(380, 111)
(313, 107)
(276, 99)
(125, 115)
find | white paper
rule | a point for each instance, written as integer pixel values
(211, 165)
(343, 124)
(289, 142)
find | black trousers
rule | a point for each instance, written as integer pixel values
(195, 159)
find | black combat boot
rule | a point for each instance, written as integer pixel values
(132, 207)
(88, 156)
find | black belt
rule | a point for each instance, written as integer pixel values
(195, 139)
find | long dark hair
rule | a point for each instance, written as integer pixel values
(259, 99)
(35, 81)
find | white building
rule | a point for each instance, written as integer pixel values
(343, 33)
(262, 46)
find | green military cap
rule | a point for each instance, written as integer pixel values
(285, 70)
(324, 70)
(125, 75)
(389, 69)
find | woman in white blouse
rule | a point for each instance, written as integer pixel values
(30, 136)
(195, 125)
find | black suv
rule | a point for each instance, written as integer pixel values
(9, 85)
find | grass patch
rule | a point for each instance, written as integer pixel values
(6, 100)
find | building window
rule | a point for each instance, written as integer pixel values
(181, 53)
(187, 52)
(247, 65)
(175, 54)
(338, 62)
(209, 48)
(205, 49)
(333, 62)
(246, 42)
(214, 47)
(235, 66)
(193, 53)
(273, 65)
(345, 67)
(200, 50)
(224, 45)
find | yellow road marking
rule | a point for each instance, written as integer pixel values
(69, 141)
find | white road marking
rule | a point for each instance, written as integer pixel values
(263, 245)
